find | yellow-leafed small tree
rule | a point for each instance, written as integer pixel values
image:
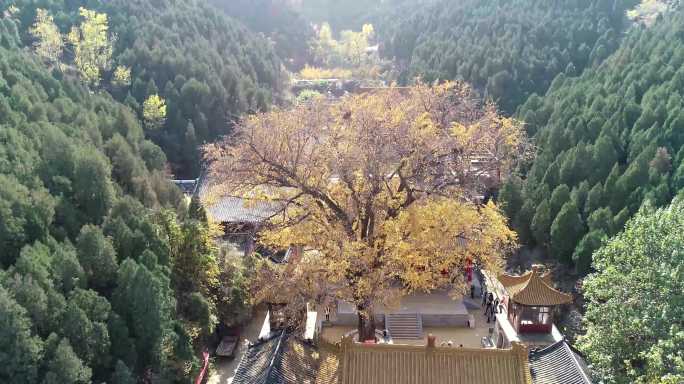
(381, 190)
(49, 43)
(154, 112)
(92, 45)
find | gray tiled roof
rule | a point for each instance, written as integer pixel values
(187, 186)
(237, 210)
(280, 360)
(558, 363)
(230, 209)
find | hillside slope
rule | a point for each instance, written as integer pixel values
(208, 67)
(607, 141)
(93, 262)
(287, 28)
(507, 49)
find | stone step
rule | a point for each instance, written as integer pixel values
(405, 325)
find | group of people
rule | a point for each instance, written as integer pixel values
(449, 343)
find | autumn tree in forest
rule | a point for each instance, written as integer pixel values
(381, 190)
(121, 76)
(350, 51)
(154, 112)
(49, 43)
(92, 45)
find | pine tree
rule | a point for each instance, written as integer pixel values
(65, 367)
(122, 375)
(97, 256)
(21, 365)
(582, 256)
(594, 199)
(541, 223)
(566, 231)
(559, 197)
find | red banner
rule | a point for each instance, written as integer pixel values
(469, 270)
(205, 355)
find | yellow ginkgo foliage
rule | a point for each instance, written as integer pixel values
(381, 191)
(48, 39)
(121, 76)
(154, 112)
(92, 45)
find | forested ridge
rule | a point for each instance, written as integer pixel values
(506, 49)
(276, 19)
(208, 67)
(106, 274)
(341, 15)
(606, 141)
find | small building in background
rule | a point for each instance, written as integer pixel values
(239, 218)
(188, 187)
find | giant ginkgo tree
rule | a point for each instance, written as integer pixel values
(383, 190)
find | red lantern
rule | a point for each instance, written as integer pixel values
(469, 270)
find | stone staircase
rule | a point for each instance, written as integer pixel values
(404, 326)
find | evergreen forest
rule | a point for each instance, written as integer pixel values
(208, 67)
(506, 49)
(107, 273)
(606, 141)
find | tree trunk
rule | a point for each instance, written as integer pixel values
(366, 325)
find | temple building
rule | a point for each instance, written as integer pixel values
(285, 359)
(239, 218)
(526, 308)
(530, 349)
(431, 364)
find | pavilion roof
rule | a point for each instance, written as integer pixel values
(533, 288)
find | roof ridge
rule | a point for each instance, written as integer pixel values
(580, 364)
(274, 356)
(264, 340)
(548, 348)
(384, 348)
(533, 283)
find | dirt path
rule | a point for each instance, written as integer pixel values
(224, 369)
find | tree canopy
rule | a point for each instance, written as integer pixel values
(633, 320)
(378, 188)
(277, 19)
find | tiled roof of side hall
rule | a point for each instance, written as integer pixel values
(281, 359)
(558, 363)
(232, 209)
(533, 288)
